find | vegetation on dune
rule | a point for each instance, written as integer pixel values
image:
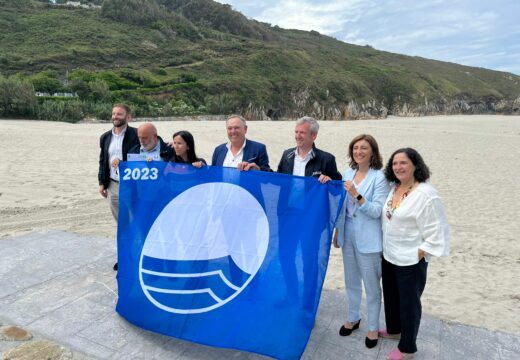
(179, 57)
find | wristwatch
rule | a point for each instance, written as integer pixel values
(359, 197)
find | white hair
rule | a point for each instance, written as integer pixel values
(311, 121)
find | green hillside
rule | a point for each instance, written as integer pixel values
(177, 57)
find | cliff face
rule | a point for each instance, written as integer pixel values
(374, 110)
(461, 106)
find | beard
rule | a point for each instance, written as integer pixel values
(149, 147)
(119, 123)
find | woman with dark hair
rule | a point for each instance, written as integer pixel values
(359, 234)
(415, 228)
(184, 146)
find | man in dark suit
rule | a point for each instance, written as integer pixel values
(114, 145)
(242, 153)
(306, 159)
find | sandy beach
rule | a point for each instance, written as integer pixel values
(48, 180)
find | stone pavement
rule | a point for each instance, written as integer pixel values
(60, 287)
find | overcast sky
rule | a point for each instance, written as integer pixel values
(481, 33)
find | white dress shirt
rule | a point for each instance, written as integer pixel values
(300, 163)
(233, 160)
(115, 151)
(418, 223)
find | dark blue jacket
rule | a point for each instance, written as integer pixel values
(254, 152)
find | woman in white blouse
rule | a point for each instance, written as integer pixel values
(415, 228)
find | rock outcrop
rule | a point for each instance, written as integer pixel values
(303, 104)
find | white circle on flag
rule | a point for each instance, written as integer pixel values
(218, 227)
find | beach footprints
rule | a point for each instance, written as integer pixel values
(203, 249)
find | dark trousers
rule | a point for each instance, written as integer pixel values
(402, 290)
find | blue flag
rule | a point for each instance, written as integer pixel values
(224, 258)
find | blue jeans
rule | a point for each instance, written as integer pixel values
(366, 268)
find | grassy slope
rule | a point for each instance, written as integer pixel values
(268, 73)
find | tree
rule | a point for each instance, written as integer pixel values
(47, 81)
(16, 97)
(15, 3)
(80, 87)
(139, 12)
(99, 91)
(151, 14)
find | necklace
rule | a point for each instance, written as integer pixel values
(391, 208)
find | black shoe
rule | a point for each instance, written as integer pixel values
(115, 267)
(370, 343)
(343, 331)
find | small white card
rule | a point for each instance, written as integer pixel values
(142, 157)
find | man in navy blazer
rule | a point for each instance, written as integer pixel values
(239, 152)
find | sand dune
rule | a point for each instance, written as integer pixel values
(48, 180)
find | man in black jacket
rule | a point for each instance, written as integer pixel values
(306, 159)
(114, 145)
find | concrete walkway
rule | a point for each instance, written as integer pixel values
(60, 287)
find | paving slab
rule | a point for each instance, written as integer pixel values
(61, 288)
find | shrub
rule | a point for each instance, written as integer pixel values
(68, 111)
(98, 110)
(115, 81)
(139, 12)
(17, 97)
(81, 88)
(47, 81)
(99, 91)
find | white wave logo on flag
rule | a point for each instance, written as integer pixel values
(203, 249)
